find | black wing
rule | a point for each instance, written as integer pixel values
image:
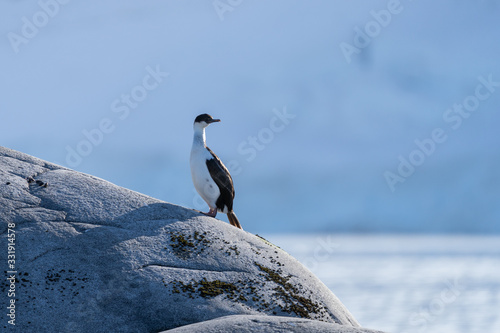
(223, 179)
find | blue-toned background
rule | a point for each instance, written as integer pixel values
(355, 111)
(337, 117)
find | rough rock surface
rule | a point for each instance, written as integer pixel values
(265, 324)
(94, 257)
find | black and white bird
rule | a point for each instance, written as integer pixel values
(210, 176)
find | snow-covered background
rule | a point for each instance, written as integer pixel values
(67, 68)
(408, 284)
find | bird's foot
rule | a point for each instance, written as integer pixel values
(212, 212)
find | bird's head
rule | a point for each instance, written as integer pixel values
(203, 120)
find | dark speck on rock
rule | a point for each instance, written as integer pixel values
(42, 184)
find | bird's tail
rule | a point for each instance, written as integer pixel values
(234, 220)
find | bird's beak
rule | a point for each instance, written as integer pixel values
(214, 121)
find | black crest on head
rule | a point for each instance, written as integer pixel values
(203, 117)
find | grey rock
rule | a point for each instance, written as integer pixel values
(265, 324)
(91, 256)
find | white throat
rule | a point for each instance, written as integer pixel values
(199, 138)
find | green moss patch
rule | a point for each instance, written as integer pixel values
(185, 246)
(290, 295)
(207, 289)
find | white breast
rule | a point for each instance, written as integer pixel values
(203, 182)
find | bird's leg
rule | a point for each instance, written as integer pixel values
(212, 212)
